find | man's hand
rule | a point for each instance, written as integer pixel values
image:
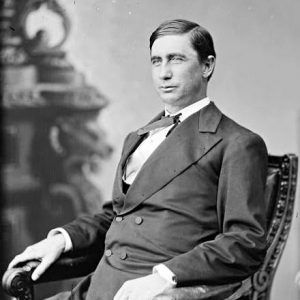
(144, 288)
(46, 251)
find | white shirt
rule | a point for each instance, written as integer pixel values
(134, 164)
(155, 138)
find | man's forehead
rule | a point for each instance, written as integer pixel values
(177, 43)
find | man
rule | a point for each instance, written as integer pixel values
(188, 198)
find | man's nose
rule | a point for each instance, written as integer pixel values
(165, 72)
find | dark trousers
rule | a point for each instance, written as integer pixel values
(103, 284)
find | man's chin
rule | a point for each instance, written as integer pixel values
(168, 98)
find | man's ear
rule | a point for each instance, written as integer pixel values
(208, 66)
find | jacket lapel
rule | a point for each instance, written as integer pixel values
(188, 143)
(132, 141)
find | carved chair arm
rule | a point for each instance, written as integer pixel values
(16, 280)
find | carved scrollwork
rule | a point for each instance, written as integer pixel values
(280, 226)
(261, 281)
(79, 135)
(12, 56)
(80, 143)
(11, 52)
(40, 42)
(23, 98)
(18, 284)
(75, 146)
(56, 60)
(73, 97)
(45, 95)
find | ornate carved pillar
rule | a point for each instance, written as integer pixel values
(52, 139)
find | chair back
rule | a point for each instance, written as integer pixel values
(280, 198)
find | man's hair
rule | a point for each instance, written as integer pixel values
(200, 38)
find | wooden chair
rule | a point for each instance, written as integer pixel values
(280, 195)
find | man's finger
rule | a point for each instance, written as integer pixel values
(12, 263)
(25, 256)
(41, 268)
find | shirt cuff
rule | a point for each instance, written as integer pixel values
(68, 245)
(165, 273)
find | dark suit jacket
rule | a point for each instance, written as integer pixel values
(197, 205)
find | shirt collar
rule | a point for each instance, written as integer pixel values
(190, 109)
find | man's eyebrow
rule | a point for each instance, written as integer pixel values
(170, 55)
(155, 57)
(176, 54)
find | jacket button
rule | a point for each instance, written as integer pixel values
(138, 220)
(108, 253)
(119, 219)
(123, 255)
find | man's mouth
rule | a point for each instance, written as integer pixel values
(167, 88)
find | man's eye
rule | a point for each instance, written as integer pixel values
(176, 59)
(155, 62)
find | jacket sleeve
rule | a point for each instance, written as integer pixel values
(239, 249)
(90, 230)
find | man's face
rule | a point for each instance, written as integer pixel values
(176, 71)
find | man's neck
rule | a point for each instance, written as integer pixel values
(174, 110)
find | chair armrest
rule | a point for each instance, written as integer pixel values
(17, 281)
(71, 266)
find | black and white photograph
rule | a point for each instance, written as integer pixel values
(150, 150)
